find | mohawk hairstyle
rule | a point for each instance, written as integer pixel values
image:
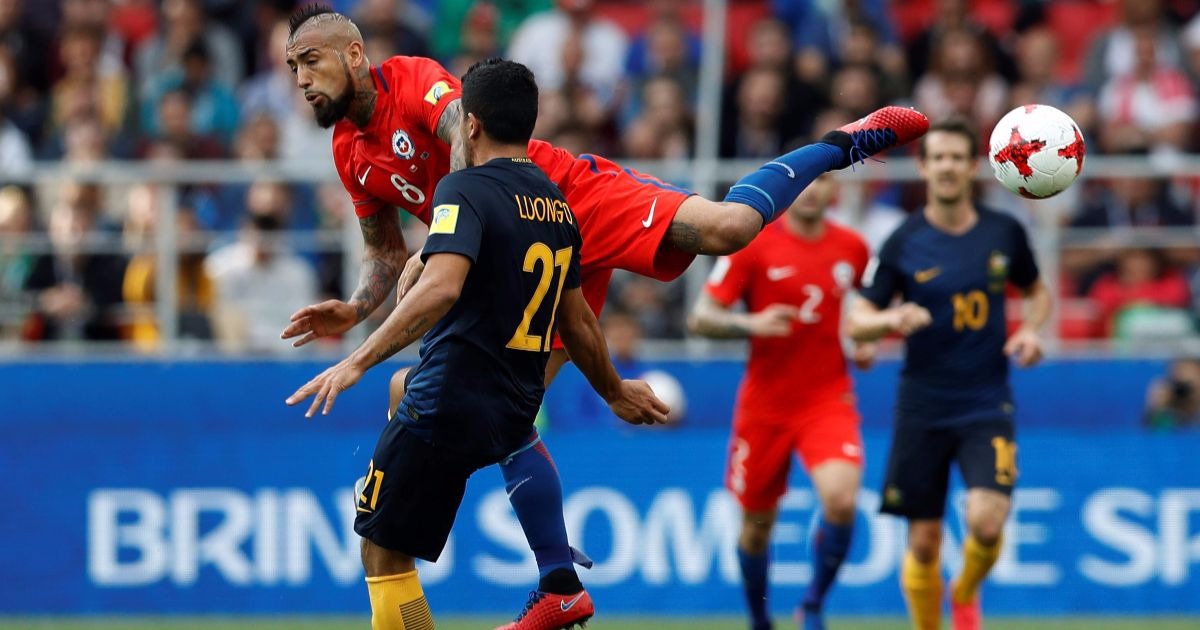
(308, 12)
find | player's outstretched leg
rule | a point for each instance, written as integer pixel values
(535, 491)
(774, 186)
(703, 226)
(755, 562)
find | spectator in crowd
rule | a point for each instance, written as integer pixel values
(184, 22)
(667, 46)
(272, 90)
(961, 82)
(1173, 401)
(575, 102)
(86, 86)
(173, 132)
(822, 30)
(213, 108)
(1152, 107)
(258, 280)
(16, 259)
(758, 130)
(193, 287)
(96, 15)
(16, 156)
(855, 89)
(1142, 279)
(599, 62)
(664, 128)
(861, 46)
(770, 48)
(1037, 53)
(27, 44)
(1113, 53)
(77, 289)
(508, 16)
(950, 16)
(392, 21)
(480, 38)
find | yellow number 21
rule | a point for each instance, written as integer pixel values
(540, 253)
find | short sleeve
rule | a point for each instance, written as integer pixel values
(883, 278)
(456, 226)
(1023, 269)
(437, 87)
(860, 257)
(730, 278)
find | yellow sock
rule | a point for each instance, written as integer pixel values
(977, 562)
(922, 586)
(398, 603)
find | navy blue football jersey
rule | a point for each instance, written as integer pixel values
(479, 382)
(955, 369)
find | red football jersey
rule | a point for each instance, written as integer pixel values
(397, 160)
(778, 267)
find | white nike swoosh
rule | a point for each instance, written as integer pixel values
(650, 217)
(790, 173)
(567, 605)
(776, 274)
(519, 484)
(362, 181)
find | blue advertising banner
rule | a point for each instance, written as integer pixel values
(191, 488)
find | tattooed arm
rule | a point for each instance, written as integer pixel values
(449, 129)
(710, 318)
(383, 257)
(434, 294)
(384, 254)
(432, 298)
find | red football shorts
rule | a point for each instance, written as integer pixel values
(760, 452)
(623, 218)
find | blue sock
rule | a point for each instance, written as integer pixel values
(830, 546)
(754, 581)
(776, 184)
(534, 489)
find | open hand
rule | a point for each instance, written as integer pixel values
(331, 317)
(327, 386)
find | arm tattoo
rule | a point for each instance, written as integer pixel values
(449, 129)
(723, 330)
(685, 237)
(410, 335)
(383, 258)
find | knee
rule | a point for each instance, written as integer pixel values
(396, 389)
(755, 536)
(925, 543)
(839, 508)
(987, 530)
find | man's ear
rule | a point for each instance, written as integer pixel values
(474, 127)
(355, 55)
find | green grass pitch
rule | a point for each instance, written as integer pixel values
(601, 623)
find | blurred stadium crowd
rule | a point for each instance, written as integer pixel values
(92, 80)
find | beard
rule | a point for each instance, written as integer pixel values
(333, 109)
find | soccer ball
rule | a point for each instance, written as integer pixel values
(1036, 151)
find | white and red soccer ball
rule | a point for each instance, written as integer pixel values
(1036, 151)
